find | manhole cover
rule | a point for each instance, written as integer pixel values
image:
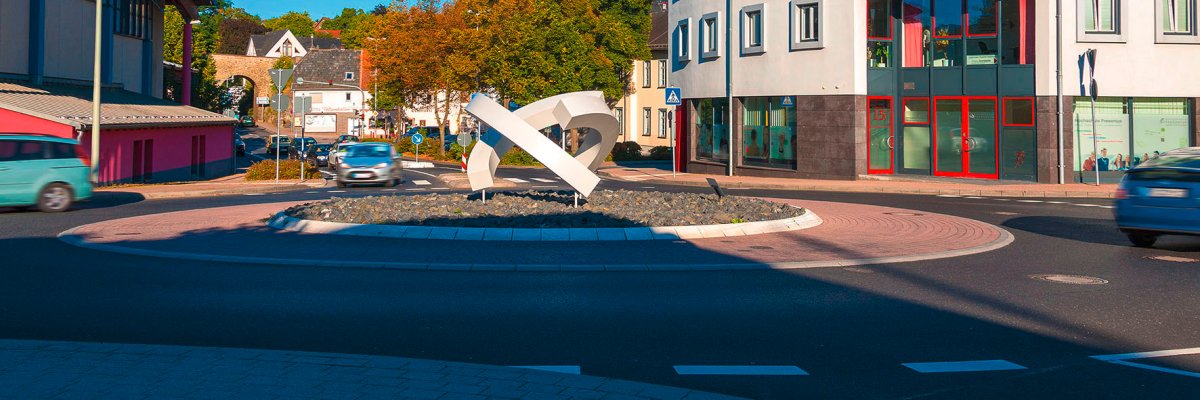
(1070, 279)
(904, 214)
(1173, 259)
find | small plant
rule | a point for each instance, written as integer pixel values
(737, 221)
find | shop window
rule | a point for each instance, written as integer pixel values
(880, 141)
(683, 40)
(753, 29)
(711, 129)
(947, 33)
(880, 54)
(1101, 20)
(1176, 21)
(1096, 150)
(806, 25)
(710, 34)
(1016, 27)
(916, 33)
(1159, 125)
(768, 133)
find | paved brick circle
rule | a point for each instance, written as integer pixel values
(852, 234)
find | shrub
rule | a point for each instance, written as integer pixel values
(627, 151)
(660, 153)
(518, 156)
(288, 169)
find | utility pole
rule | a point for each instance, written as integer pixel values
(96, 96)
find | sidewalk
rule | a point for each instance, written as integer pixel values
(232, 184)
(891, 184)
(78, 370)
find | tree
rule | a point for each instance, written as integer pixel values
(235, 35)
(343, 20)
(206, 93)
(380, 9)
(301, 24)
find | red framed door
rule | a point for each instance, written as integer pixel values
(966, 137)
(881, 139)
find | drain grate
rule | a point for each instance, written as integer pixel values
(1173, 259)
(1070, 279)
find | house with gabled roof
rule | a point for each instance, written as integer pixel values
(281, 43)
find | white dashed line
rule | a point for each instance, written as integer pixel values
(421, 182)
(562, 369)
(336, 191)
(739, 370)
(1057, 202)
(647, 187)
(440, 189)
(974, 197)
(255, 194)
(516, 180)
(544, 180)
(949, 195)
(413, 190)
(1030, 201)
(390, 190)
(311, 192)
(1088, 205)
(963, 366)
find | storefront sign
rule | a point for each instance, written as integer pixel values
(981, 59)
(320, 123)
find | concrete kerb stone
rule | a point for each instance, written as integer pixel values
(284, 222)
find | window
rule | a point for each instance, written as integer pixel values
(349, 76)
(286, 50)
(982, 21)
(1101, 20)
(1017, 29)
(620, 114)
(879, 33)
(683, 40)
(947, 21)
(1018, 112)
(1177, 22)
(646, 77)
(806, 25)
(131, 17)
(347, 96)
(662, 123)
(1018, 144)
(768, 132)
(712, 129)
(916, 30)
(753, 29)
(646, 127)
(662, 73)
(710, 34)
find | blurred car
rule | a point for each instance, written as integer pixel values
(1160, 197)
(318, 155)
(372, 163)
(247, 121)
(239, 145)
(41, 171)
(278, 142)
(337, 152)
(300, 146)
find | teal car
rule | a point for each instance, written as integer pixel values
(41, 171)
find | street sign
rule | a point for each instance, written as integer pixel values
(302, 104)
(417, 138)
(280, 102)
(262, 101)
(674, 96)
(464, 140)
(787, 101)
(280, 77)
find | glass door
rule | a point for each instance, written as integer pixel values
(880, 140)
(966, 139)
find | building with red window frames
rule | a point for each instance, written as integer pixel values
(951, 88)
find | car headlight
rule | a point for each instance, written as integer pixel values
(381, 165)
(343, 165)
(321, 157)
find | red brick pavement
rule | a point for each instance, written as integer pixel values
(851, 234)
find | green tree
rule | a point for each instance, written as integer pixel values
(300, 23)
(206, 93)
(343, 20)
(235, 35)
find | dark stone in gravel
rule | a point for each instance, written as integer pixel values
(532, 209)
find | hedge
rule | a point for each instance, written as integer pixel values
(288, 169)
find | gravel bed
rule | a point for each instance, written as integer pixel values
(546, 209)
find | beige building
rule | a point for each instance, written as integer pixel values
(644, 115)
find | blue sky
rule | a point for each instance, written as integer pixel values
(316, 8)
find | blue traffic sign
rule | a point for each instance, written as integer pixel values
(674, 96)
(787, 101)
(417, 138)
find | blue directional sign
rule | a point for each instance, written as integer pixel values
(417, 138)
(674, 96)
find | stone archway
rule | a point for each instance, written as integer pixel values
(252, 68)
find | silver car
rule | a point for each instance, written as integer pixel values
(370, 163)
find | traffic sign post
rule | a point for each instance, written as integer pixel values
(302, 105)
(1089, 57)
(417, 139)
(671, 127)
(280, 78)
(674, 96)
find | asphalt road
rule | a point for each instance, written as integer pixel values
(849, 329)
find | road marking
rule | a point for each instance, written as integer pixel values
(1121, 359)
(255, 194)
(1001, 199)
(1056, 202)
(390, 190)
(562, 369)
(421, 182)
(973, 197)
(516, 180)
(739, 370)
(963, 366)
(440, 189)
(647, 187)
(544, 180)
(311, 192)
(1030, 201)
(422, 173)
(1108, 207)
(1088, 205)
(336, 191)
(949, 195)
(413, 190)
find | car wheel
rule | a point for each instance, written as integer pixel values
(1142, 239)
(55, 197)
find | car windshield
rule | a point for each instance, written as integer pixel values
(368, 151)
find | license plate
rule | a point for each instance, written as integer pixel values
(359, 175)
(1169, 193)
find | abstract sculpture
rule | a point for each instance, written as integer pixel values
(577, 110)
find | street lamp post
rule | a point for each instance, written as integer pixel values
(95, 173)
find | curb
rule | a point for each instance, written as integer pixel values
(243, 188)
(284, 222)
(819, 188)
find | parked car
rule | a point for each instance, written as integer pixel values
(247, 121)
(41, 171)
(346, 139)
(239, 145)
(318, 155)
(1160, 197)
(278, 142)
(430, 132)
(376, 163)
(300, 146)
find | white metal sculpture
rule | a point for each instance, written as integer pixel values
(579, 110)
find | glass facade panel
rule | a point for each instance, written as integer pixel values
(1018, 112)
(768, 133)
(879, 21)
(712, 129)
(916, 147)
(1016, 27)
(1100, 16)
(880, 140)
(947, 52)
(916, 33)
(880, 54)
(948, 18)
(981, 17)
(1111, 137)
(1159, 125)
(982, 52)
(948, 129)
(1019, 153)
(981, 138)
(916, 111)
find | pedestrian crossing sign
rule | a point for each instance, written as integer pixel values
(787, 101)
(674, 96)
